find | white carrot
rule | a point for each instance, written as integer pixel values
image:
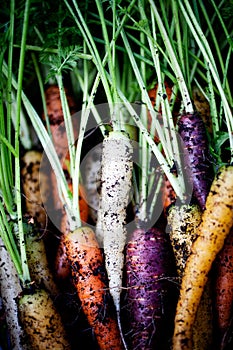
(116, 184)
(10, 288)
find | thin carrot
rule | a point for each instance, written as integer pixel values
(203, 107)
(197, 158)
(90, 280)
(35, 194)
(39, 268)
(215, 226)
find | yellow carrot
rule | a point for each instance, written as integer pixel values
(41, 322)
(217, 221)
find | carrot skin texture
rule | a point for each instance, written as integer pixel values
(168, 195)
(39, 268)
(193, 133)
(203, 107)
(151, 296)
(35, 186)
(116, 179)
(90, 279)
(224, 289)
(182, 225)
(42, 322)
(217, 220)
(183, 222)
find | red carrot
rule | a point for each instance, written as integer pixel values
(151, 293)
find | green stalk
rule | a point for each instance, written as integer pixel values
(213, 107)
(168, 123)
(216, 45)
(47, 146)
(228, 36)
(81, 23)
(89, 40)
(143, 152)
(9, 240)
(9, 96)
(41, 87)
(142, 86)
(180, 191)
(67, 122)
(26, 275)
(83, 123)
(65, 108)
(88, 101)
(175, 65)
(178, 35)
(5, 179)
(8, 145)
(53, 51)
(208, 56)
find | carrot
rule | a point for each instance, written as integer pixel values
(193, 133)
(92, 175)
(153, 95)
(203, 108)
(217, 220)
(224, 291)
(90, 279)
(183, 221)
(10, 288)
(62, 267)
(60, 141)
(168, 195)
(203, 325)
(116, 185)
(151, 294)
(39, 268)
(35, 186)
(41, 322)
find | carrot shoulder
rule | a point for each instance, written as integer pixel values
(216, 223)
(90, 280)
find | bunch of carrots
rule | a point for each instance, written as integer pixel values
(116, 216)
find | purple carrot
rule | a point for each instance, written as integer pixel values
(197, 159)
(151, 291)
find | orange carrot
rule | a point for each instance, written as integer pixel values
(59, 137)
(62, 267)
(168, 195)
(90, 279)
(153, 95)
